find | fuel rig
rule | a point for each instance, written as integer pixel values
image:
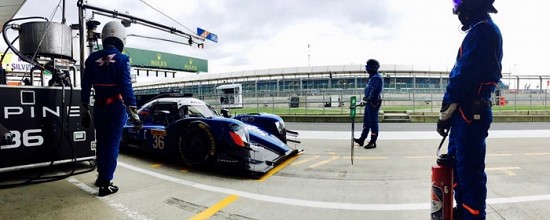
(40, 117)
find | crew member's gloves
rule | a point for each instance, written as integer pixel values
(363, 102)
(443, 127)
(444, 122)
(86, 119)
(138, 125)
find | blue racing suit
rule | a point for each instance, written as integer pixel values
(472, 80)
(108, 71)
(373, 101)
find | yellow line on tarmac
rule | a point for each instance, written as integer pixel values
(499, 155)
(506, 170)
(368, 158)
(333, 158)
(277, 168)
(215, 208)
(157, 165)
(304, 160)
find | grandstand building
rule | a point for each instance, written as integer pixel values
(397, 78)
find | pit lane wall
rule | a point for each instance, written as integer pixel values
(419, 117)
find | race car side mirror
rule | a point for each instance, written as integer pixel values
(225, 113)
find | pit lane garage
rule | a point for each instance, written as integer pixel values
(187, 129)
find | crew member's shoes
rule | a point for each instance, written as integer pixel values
(370, 145)
(107, 190)
(358, 141)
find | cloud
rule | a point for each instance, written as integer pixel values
(276, 32)
(269, 34)
(331, 34)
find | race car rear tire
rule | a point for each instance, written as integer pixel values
(197, 145)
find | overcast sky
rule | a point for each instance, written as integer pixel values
(256, 34)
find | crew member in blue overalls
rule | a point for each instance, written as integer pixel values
(108, 72)
(466, 107)
(372, 102)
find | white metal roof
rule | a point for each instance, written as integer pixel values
(228, 86)
(290, 72)
(180, 100)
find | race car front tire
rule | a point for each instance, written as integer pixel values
(197, 145)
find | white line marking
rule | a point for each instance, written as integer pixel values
(537, 154)
(319, 204)
(518, 199)
(107, 200)
(419, 135)
(421, 157)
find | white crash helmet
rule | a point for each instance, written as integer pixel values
(114, 33)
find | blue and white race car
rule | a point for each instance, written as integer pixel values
(189, 129)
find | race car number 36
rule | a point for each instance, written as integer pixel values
(158, 138)
(29, 138)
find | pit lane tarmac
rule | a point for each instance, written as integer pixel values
(389, 182)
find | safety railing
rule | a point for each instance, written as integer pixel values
(336, 102)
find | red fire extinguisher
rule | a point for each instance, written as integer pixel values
(442, 186)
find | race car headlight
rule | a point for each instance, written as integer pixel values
(239, 135)
(280, 126)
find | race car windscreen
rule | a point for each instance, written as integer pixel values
(200, 110)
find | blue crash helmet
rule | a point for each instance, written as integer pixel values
(474, 5)
(456, 3)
